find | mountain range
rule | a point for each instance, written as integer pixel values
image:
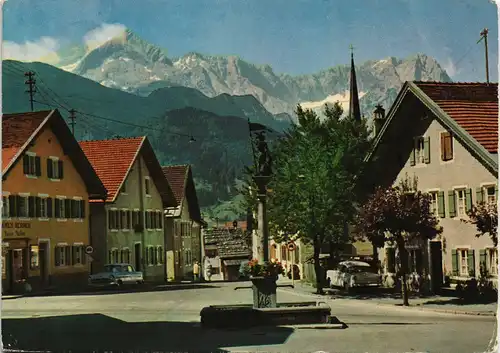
(127, 86)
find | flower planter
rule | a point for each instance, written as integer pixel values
(264, 292)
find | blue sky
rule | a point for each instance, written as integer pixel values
(293, 36)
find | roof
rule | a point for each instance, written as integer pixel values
(20, 131)
(241, 224)
(474, 106)
(180, 178)
(112, 159)
(230, 242)
(468, 110)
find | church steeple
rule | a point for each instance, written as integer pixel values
(354, 111)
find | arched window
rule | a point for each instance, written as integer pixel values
(272, 251)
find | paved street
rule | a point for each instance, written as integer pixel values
(168, 321)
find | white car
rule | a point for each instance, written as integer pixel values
(116, 275)
(349, 274)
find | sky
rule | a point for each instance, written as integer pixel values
(293, 36)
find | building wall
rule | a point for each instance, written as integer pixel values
(463, 171)
(135, 198)
(31, 232)
(98, 236)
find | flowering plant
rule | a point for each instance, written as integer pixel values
(268, 269)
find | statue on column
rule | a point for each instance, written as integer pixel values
(264, 159)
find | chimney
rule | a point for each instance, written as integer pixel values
(378, 118)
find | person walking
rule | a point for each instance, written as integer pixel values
(208, 271)
(196, 271)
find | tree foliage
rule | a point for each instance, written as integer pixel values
(485, 217)
(313, 187)
(398, 214)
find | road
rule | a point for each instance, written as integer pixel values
(168, 320)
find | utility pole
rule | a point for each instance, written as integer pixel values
(31, 82)
(484, 35)
(72, 117)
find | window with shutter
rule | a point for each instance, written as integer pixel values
(454, 262)
(12, 206)
(468, 200)
(22, 207)
(50, 168)
(60, 169)
(482, 259)
(67, 208)
(479, 195)
(38, 166)
(82, 209)
(31, 207)
(471, 263)
(419, 150)
(49, 207)
(129, 220)
(446, 146)
(441, 207)
(461, 204)
(451, 203)
(427, 150)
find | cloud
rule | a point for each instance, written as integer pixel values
(450, 67)
(102, 34)
(44, 49)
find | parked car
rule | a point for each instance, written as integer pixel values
(349, 274)
(116, 275)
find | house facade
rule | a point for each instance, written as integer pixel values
(129, 226)
(446, 135)
(47, 184)
(183, 234)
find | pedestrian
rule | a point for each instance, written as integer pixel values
(209, 271)
(196, 271)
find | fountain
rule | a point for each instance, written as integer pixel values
(265, 309)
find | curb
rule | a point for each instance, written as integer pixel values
(317, 326)
(419, 307)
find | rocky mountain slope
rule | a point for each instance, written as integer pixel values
(131, 64)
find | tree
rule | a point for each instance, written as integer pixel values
(313, 187)
(485, 217)
(400, 215)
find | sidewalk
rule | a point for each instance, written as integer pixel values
(434, 303)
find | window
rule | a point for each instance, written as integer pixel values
(54, 168)
(77, 209)
(114, 219)
(62, 255)
(460, 194)
(113, 256)
(125, 256)
(124, 219)
(434, 203)
(415, 260)
(42, 207)
(60, 208)
(492, 263)
(78, 255)
(491, 195)
(150, 256)
(159, 224)
(147, 186)
(154, 219)
(5, 207)
(31, 165)
(34, 259)
(419, 150)
(463, 262)
(446, 146)
(22, 206)
(160, 255)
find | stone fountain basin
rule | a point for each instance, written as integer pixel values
(245, 315)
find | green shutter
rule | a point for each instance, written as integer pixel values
(454, 262)
(49, 168)
(479, 195)
(451, 203)
(471, 263)
(31, 206)
(26, 164)
(468, 200)
(60, 169)
(482, 259)
(12, 206)
(49, 207)
(441, 207)
(38, 166)
(38, 211)
(427, 150)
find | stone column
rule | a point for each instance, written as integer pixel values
(262, 236)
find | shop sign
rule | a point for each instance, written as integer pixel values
(15, 229)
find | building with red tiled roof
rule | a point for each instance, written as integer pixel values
(184, 239)
(47, 183)
(446, 135)
(129, 226)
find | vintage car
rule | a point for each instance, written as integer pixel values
(116, 275)
(350, 274)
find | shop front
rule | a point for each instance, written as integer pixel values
(24, 258)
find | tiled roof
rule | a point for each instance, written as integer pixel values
(112, 160)
(229, 242)
(474, 106)
(241, 224)
(17, 130)
(176, 176)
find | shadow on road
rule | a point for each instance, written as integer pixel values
(459, 301)
(96, 332)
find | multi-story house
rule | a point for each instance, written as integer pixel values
(446, 135)
(183, 235)
(47, 183)
(128, 227)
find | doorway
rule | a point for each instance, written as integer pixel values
(436, 254)
(137, 257)
(44, 263)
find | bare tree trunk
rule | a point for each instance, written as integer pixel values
(403, 257)
(317, 265)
